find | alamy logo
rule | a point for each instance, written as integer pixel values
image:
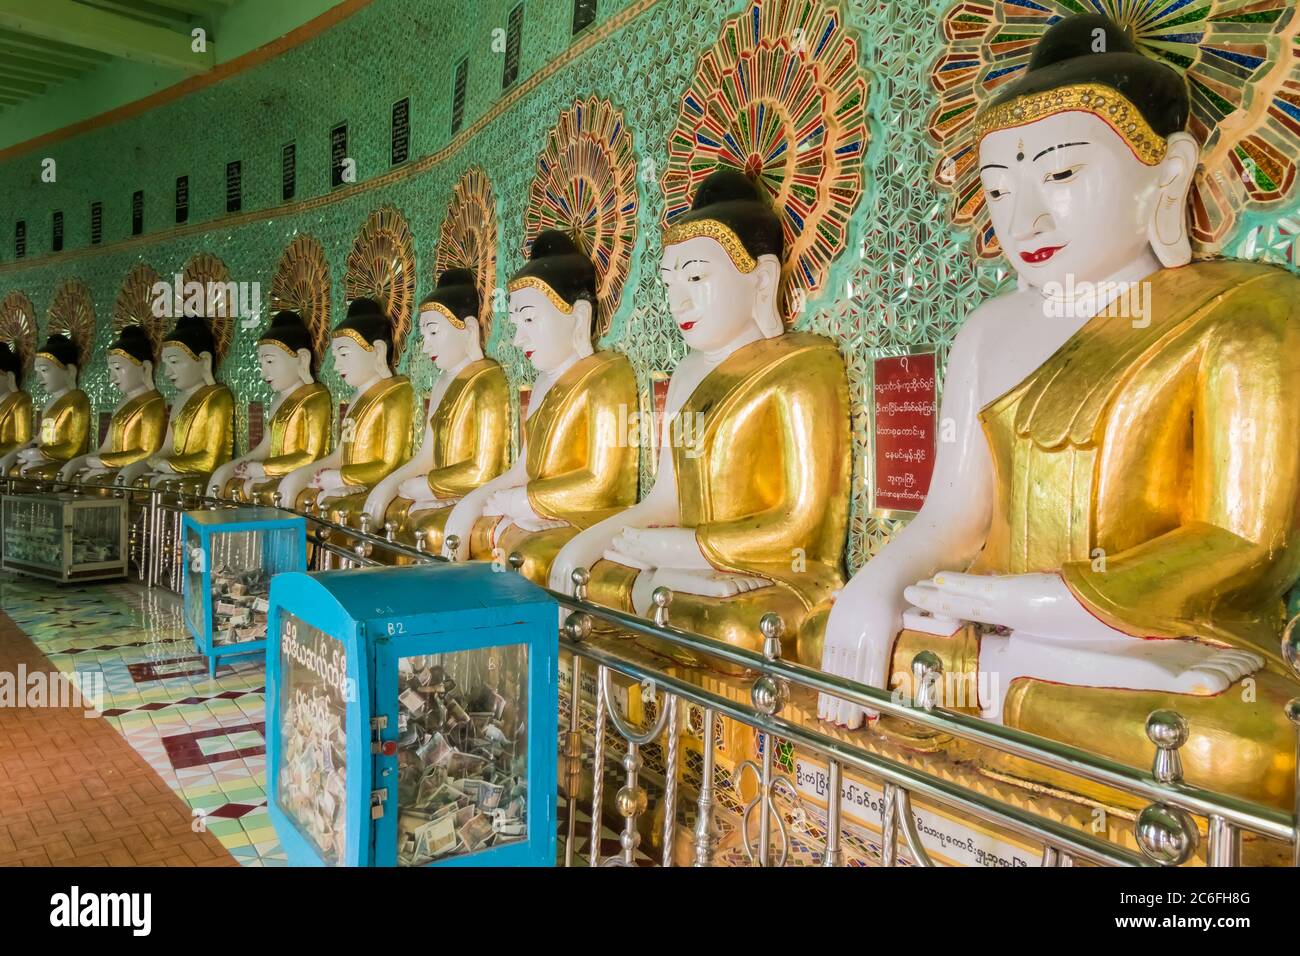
(134, 910)
(1071, 299)
(21, 688)
(207, 299)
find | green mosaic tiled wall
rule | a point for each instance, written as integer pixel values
(905, 278)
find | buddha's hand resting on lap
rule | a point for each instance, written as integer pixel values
(327, 478)
(661, 548)
(416, 489)
(1041, 609)
(1038, 604)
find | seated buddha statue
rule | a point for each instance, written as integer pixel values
(467, 438)
(64, 428)
(301, 415)
(140, 420)
(577, 466)
(375, 434)
(15, 404)
(1113, 528)
(200, 428)
(749, 510)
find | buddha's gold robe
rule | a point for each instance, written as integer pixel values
(766, 488)
(202, 435)
(299, 435)
(470, 431)
(376, 438)
(136, 430)
(15, 421)
(581, 466)
(1154, 467)
(63, 433)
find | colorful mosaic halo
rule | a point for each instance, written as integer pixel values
(218, 305)
(780, 97)
(1242, 66)
(381, 266)
(586, 186)
(468, 240)
(302, 284)
(18, 326)
(72, 313)
(134, 304)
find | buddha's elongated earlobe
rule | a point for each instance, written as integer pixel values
(11, 381)
(1168, 231)
(148, 372)
(72, 376)
(582, 316)
(304, 366)
(381, 360)
(474, 344)
(767, 308)
(206, 359)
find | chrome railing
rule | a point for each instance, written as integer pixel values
(1167, 830)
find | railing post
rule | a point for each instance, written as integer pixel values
(706, 831)
(1165, 833)
(833, 856)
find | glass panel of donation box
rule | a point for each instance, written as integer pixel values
(96, 535)
(462, 782)
(33, 531)
(314, 696)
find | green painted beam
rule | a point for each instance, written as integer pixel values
(15, 62)
(75, 24)
(45, 47)
(19, 85)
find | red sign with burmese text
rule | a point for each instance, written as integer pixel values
(256, 424)
(906, 414)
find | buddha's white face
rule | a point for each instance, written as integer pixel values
(52, 377)
(279, 368)
(543, 332)
(712, 302)
(1070, 202)
(126, 376)
(355, 365)
(446, 345)
(180, 369)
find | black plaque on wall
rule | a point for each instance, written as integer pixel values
(56, 232)
(338, 154)
(401, 139)
(137, 212)
(234, 186)
(288, 171)
(20, 238)
(182, 199)
(96, 223)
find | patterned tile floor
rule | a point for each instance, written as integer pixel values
(203, 737)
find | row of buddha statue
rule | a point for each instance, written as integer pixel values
(1111, 526)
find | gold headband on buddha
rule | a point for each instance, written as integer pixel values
(445, 312)
(1104, 102)
(532, 282)
(127, 355)
(51, 359)
(355, 336)
(721, 233)
(182, 346)
(278, 344)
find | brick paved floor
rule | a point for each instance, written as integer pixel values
(73, 791)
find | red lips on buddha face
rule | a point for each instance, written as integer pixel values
(1040, 255)
(687, 326)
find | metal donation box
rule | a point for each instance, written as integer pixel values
(412, 717)
(64, 537)
(230, 557)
